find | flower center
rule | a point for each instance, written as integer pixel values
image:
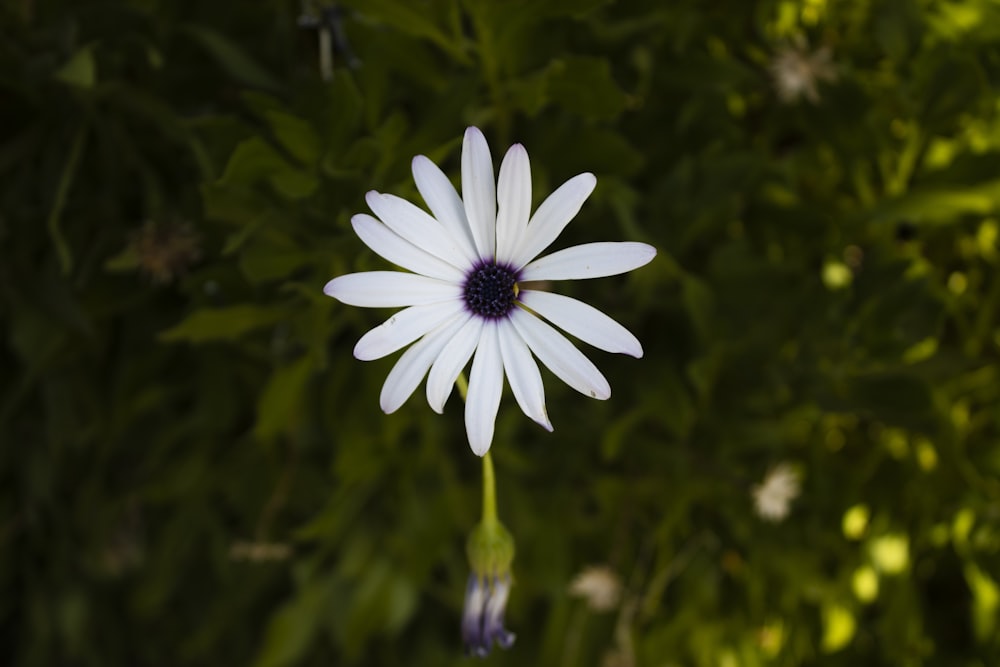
(490, 290)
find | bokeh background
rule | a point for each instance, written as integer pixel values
(802, 470)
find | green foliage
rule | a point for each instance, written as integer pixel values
(195, 469)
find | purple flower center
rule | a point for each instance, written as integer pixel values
(491, 290)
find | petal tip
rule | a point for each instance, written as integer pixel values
(419, 164)
(601, 393)
(362, 352)
(330, 289)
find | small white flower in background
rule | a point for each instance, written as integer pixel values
(599, 586)
(467, 295)
(773, 497)
(797, 71)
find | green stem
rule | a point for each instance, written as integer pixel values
(489, 492)
(62, 192)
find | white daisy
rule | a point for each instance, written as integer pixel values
(467, 295)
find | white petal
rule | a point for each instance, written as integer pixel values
(479, 191)
(514, 201)
(450, 363)
(553, 215)
(390, 289)
(394, 248)
(405, 327)
(523, 376)
(560, 356)
(583, 321)
(411, 368)
(419, 228)
(485, 388)
(443, 201)
(590, 260)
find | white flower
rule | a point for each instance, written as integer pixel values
(797, 71)
(467, 294)
(599, 585)
(772, 498)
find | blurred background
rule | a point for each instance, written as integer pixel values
(804, 468)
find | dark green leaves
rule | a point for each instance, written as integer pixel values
(196, 470)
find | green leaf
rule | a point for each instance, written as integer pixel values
(384, 600)
(585, 85)
(126, 260)
(261, 263)
(255, 160)
(281, 398)
(895, 398)
(80, 70)
(940, 205)
(232, 58)
(574, 8)
(214, 324)
(986, 601)
(953, 82)
(296, 135)
(347, 105)
(581, 84)
(839, 626)
(62, 193)
(412, 19)
(292, 628)
(699, 303)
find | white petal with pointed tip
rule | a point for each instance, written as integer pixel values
(405, 327)
(479, 192)
(450, 363)
(391, 246)
(553, 215)
(590, 260)
(419, 228)
(390, 289)
(560, 356)
(522, 375)
(583, 321)
(513, 201)
(405, 376)
(485, 388)
(443, 201)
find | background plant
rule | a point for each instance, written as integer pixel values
(195, 470)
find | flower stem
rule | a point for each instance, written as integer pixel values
(489, 492)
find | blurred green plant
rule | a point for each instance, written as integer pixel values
(194, 469)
